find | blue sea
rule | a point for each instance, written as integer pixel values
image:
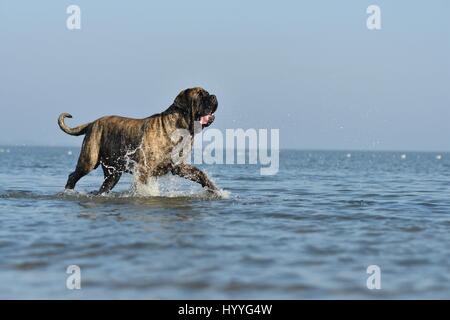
(308, 232)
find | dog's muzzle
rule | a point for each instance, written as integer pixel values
(207, 119)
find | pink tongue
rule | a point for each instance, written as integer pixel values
(205, 119)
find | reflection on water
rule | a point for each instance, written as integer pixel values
(308, 232)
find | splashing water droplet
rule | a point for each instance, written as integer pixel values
(149, 189)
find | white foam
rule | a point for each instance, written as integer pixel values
(224, 194)
(171, 187)
(149, 189)
(73, 193)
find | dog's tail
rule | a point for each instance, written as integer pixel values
(77, 131)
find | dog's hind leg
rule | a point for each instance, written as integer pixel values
(74, 177)
(112, 176)
(87, 161)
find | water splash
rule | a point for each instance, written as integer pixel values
(165, 186)
(172, 187)
(149, 189)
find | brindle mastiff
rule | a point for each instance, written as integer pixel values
(142, 146)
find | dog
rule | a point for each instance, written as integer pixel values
(142, 146)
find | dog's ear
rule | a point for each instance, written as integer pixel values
(188, 102)
(182, 100)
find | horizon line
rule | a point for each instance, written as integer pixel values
(283, 148)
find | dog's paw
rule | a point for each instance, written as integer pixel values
(96, 193)
(215, 193)
(69, 192)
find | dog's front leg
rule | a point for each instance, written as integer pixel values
(192, 173)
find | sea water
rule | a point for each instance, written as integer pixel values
(310, 231)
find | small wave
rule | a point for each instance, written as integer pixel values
(359, 203)
(131, 195)
(152, 190)
(18, 194)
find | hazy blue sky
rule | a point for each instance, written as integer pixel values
(310, 68)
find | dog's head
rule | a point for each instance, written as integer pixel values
(198, 104)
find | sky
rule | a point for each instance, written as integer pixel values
(311, 69)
